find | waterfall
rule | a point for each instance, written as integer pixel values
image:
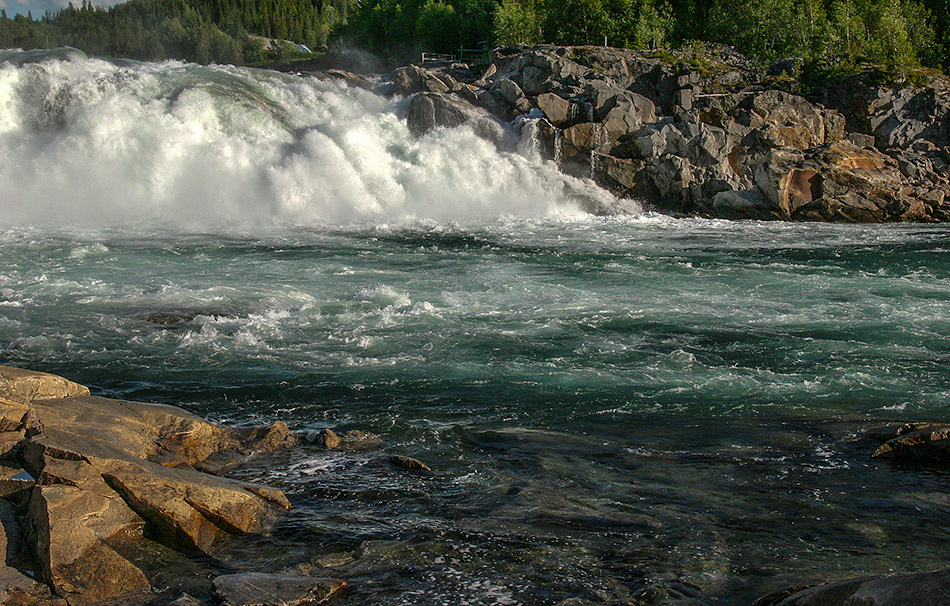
(115, 142)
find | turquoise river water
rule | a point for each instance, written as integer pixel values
(617, 410)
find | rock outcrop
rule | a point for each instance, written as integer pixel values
(259, 589)
(90, 476)
(922, 588)
(918, 444)
(710, 135)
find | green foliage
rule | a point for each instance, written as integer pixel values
(401, 28)
(654, 23)
(204, 31)
(516, 22)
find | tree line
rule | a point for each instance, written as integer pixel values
(896, 33)
(204, 31)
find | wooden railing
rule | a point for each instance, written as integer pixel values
(438, 58)
(465, 55)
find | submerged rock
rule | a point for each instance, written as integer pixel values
(106, 471)
(259, 589)
(353, 439)
(409, 463)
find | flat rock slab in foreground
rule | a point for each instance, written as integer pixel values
(89, 475)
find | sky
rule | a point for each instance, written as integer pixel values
(38, 7)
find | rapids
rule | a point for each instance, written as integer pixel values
(97, 143)
(628, 409)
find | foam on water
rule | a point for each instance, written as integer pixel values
(102, 143)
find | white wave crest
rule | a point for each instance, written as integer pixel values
(98, 143)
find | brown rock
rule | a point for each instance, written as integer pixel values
(556, 109)
(10, 442)
(15, 587)
(18, 386)
(917, 443)
(76, 559)
(189, 509)
(351, 79)
(788, 120)
(409, 463)
(328, 439)
(430, 110)
(582, 138)
(15, 484)
(107, 468)
(414, 79)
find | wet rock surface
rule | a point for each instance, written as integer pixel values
(714, 137)
(915, 444)
(921, 588)
(259, 589)
(86, 479)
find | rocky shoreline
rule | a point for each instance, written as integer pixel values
(91, 484)
(708, 135)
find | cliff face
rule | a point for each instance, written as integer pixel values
(711, 136)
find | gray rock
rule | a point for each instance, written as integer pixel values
(510, 90)
(748, 204)
(535, 81)
(431, 110)
(684, 99)
(259, 589)
(628, 113)
(414, 79)
(920, 589)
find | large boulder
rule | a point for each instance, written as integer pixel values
(414, 79)
(843, 182)
(74, 528)
(925, 444)
(788, 120)
(432, 110)
(900, 118)
(918, 588)
(92, 475)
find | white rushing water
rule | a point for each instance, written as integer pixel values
(91, 143)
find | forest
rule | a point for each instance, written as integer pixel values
(892, 33)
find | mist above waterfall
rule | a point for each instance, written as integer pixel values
(89, 142)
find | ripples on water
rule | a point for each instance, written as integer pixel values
(621, 410)
(616, 409)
